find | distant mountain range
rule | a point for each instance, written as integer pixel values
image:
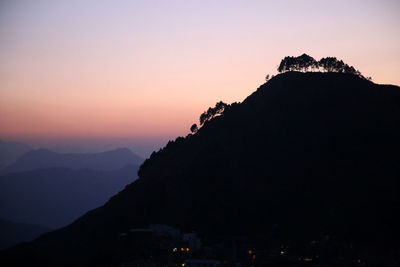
(12, 233)
(55, 197)
(44, 159)
(11, 151)
(310, 154)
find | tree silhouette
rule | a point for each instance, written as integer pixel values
(194, 128)
(303, 62)
(212, 112)
(287, 64)
(306, 63)
(331, 64)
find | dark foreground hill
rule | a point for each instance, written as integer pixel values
(44, 159)
(56, 197)
(309, 154)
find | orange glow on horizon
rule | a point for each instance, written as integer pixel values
(76, 69)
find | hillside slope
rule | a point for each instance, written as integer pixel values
(313, 153)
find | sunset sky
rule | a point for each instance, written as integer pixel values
(147, 69)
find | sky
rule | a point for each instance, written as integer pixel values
(145, 70)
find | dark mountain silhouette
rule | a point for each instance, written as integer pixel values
(11, 151)
(57, 196)
(12, 233)
(44, 159)
(309, 153)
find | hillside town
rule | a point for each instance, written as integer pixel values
(163, 245)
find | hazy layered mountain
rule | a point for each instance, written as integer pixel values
(57, 196)
(12, 233)
(11, 151)
(44, 158)
(309, 153)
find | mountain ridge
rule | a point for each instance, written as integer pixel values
(11, 151)
(57, 196)
(45, 158)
